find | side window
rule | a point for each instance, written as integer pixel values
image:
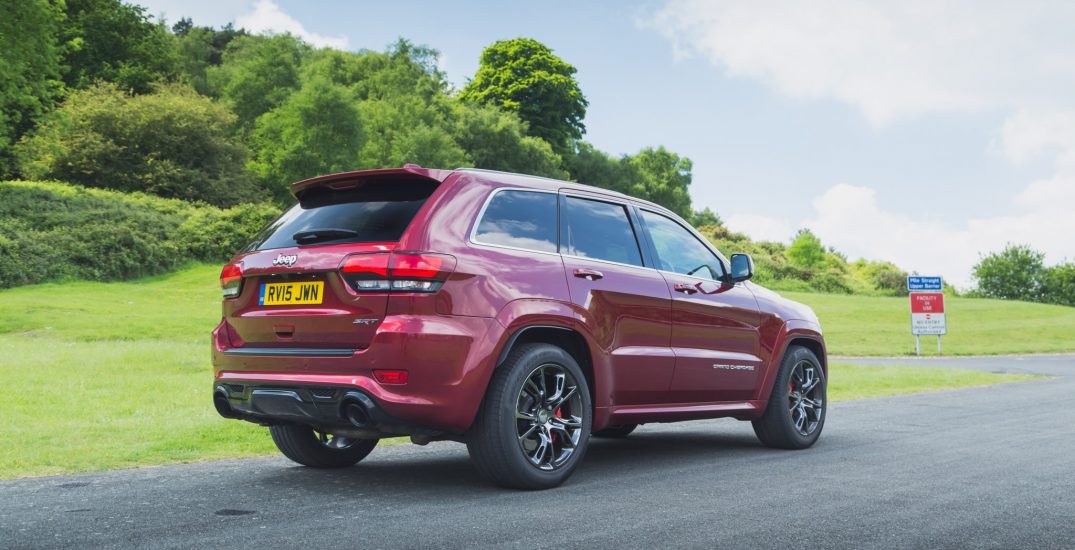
(679, 251)
(600, 230)
(520, 219)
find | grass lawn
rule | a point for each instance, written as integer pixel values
(864, 325)
(848, 381)
(118, 375)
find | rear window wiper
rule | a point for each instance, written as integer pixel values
(323, 234)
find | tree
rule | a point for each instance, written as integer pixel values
(257, 74)
(173, 143)
(108, 40)
(29, 69)
(199, 48)
(408, 129)
(705, 217)
(1015, 273)
(656, 175)
(316, 131)
(524, 76)
(1058, 284)
(806, 250)
(194, 49)
(591, 166)
(660, 176)
(497, 140)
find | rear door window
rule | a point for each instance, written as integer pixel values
(519, 219)
(378, 211)
(599, 230)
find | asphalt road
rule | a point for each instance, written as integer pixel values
(992, 467)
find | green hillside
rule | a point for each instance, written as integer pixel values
(863, 325)
(117, 374)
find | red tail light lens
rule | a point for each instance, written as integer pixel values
(231, 280)
(398, 272)
(370, 264)
(415, 267)
(390, 376)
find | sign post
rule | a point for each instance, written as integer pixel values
(927, 309)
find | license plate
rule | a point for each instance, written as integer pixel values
(285, 294)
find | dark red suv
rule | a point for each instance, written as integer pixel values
(517, 314)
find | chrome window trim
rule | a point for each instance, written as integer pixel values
(699, 279)
(610, 262)
(473, 236)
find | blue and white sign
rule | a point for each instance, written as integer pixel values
(916, 283)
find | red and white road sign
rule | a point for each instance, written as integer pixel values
(927, 313)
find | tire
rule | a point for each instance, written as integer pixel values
(534, 449)
(616, 432)
(780, 426)
(303, 445)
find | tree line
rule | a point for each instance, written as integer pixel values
(98, 93)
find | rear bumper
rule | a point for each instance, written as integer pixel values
(334, 408)
(449, 361)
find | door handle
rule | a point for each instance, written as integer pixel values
(685, 288)
(588, 274)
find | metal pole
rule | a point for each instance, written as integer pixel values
(938, 344)
(917, 345)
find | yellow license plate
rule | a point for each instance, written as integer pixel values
(285, 294)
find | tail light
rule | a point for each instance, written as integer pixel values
(400, 272)
(231, 280)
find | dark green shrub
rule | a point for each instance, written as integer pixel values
(172, 143)
(211, 234)
(52, 231)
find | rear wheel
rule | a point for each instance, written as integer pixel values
(615, 432)
(534, 424)
(795, 414)
(316, 449)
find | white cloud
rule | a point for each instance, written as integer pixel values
(906, 59)
(889, 59)
(760, 227)
(267, 17)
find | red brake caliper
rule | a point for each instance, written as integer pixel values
(558, 415)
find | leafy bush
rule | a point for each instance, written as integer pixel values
(51, 231)
(213, 234)
(1058, 284)
(1015, 273)
(885, 277)
(172, 143)
(806, 250)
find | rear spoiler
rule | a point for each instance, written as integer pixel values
(346, 179)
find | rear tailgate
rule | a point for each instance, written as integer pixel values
(333, 317)
(293, 295)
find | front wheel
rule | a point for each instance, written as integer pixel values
(796, 411)
(308, 447)
(534, 425)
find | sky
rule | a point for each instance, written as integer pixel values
(926, 133)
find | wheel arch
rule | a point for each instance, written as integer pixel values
(806, 335)
(812, 344)
(567, 339)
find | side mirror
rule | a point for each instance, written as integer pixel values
(742, 268)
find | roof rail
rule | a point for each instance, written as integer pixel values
(488, 171)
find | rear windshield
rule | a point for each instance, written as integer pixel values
(378, 211)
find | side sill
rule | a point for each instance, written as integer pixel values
(631, 414)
